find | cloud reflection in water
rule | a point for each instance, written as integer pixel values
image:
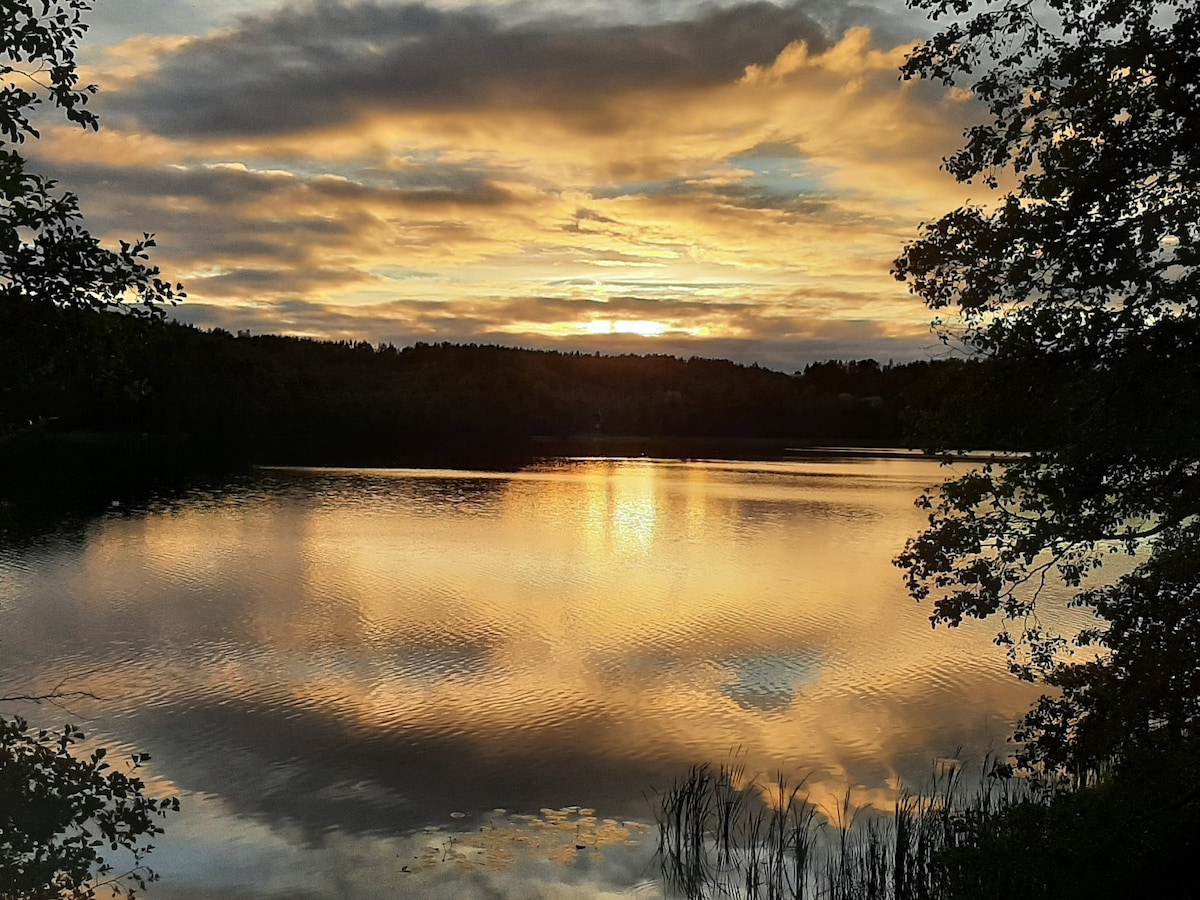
(324, 659)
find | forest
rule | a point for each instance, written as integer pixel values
(277, 399)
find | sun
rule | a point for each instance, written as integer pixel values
(643, 327)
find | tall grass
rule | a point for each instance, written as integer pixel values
(720, 836)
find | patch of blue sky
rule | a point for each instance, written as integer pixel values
(776, 174)
(115, 21)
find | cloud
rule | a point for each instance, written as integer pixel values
(750, 172)
(225, 183)
(270, 232)
(326, 62)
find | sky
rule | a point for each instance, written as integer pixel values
(729, 179)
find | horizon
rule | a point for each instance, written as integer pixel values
(648, 353)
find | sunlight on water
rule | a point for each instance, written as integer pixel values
(327, 663)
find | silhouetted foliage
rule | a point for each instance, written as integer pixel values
(70, 824)
(1133, 832)
(61, 812)
(46, 256)
(1081, 284)
(1143, 690)
(49, 262)
(1136, 833)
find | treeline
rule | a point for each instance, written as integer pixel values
(268, 398)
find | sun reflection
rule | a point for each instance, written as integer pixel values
(696, 515)
(621, 513)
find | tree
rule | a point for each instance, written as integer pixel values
(54, 275)
(1082, 280)
(46, 255)
(59, 809)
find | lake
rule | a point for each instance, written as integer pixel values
(383, 683)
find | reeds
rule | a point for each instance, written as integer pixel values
(720, 836)
(718, 839)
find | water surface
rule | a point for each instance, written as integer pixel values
(440, 683)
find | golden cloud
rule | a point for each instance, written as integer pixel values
(798, 179)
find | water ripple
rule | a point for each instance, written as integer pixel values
(346, 649)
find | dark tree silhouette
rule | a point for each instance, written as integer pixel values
(46, 255)
(71, 823)
(52, 270)
(1081, 280)
(61, 811)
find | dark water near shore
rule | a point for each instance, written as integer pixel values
(379, 683)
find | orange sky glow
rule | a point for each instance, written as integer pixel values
(651, 176)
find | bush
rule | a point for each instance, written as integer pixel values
(60, 813)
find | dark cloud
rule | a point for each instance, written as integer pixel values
(275, 232)
(270, 281)
(582, 216)
(430, 183)
(796, 202)
(327, 62)
(801, 205)
(118, 20)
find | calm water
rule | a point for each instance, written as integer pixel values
(411, 683)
